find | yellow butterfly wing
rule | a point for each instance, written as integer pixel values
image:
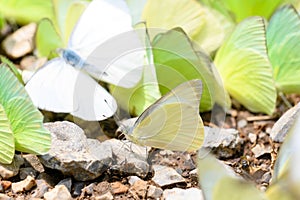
(172, 122)
(173, 126)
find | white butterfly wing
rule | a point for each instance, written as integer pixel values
(104, 37)
(51, 87)
(58, 87)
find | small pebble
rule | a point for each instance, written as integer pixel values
(259, 150)
(166, 176)
(178, 193)
(154, 192)
(41, 189)
(252, 137)
(59, 192)
(89, 189)
(5, 184)
(139, 189)
(24, 185)
(5, 197)
(34, 162)
(106, 196)
(133, 179)
(118, 188)
(242, 123)
(10, 170)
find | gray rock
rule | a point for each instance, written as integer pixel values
(282, 126)
(27, 171)
(41, 189)
(183, 194)
(73, 154)
(130, 159)
(59, 192)
(154, 192)
(78, 186)
(20, 42)
(224, 142)
(10, 170)
(24, 185)
(165, 176)
(89, 189)
(66, 182)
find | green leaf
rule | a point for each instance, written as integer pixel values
(283, 41)
(7, 143)
(47, 39)
(12, 67)
(24, 11)
(245, 68)
(27, 125)
(219, 182)
(177, 60)
(244, 9)
(24, 119)
(53, 34)
(207, 28)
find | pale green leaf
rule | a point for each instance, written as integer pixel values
(25, 11)
(245, 68)
(207, 28)
(283, 40)
(47, 39)
(7, 144)
(12, 67)
(27, 125)
(178, 60)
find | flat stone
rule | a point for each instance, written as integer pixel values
(9, 170)
(41, 189)
(118, 188)
(154, 192)
(20, 42)
(75, 155)
(59, 192)
(139, 189)
(133, 179)
(178, 193)
(165, 176)
(285, 122)
(24, 185)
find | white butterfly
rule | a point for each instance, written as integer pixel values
(172, 122)
(103, 44)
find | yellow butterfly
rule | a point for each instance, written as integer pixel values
(172, 122)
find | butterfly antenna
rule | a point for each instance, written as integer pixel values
(286, 102)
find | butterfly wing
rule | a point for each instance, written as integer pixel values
(245, 68)
(58, 87)
(110, 44)
(188, 92)
(172, 122)
(173, 126)
(283, 40)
